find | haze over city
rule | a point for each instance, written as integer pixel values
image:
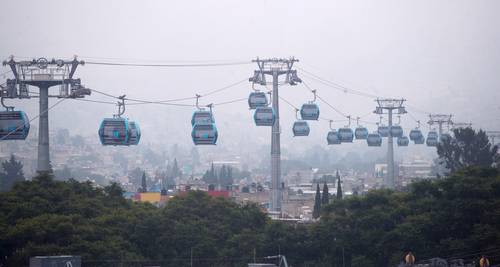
(436, 61)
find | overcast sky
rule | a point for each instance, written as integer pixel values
(442, 56)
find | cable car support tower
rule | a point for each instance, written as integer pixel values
(440, 120)
(275, 67)
(43, 73)
(391, 106)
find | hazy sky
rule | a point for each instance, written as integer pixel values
(442, 56)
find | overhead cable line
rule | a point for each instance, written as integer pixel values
(230, 101)
(296, 108)
(211, 92)
(224, 88)
(326, 102)
(289, 103)
(335, 85)
(236, 63)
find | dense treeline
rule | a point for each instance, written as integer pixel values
(452, 216)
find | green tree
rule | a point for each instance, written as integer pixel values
(467, 148)
(339, 186)
(317, 203)
(176, 172)
(12, 173)
(325, 197)
(135, 177)
(144, 185)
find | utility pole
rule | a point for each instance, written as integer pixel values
(440, 120)
(391, 106)
(275, 67)
(44, 74)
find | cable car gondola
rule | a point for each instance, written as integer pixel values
(431, 141)
(134, 133)
(374, 139)
(396, 131)
(300, 128)
(346, 135)
(415, 134)
(14, 125)
(114, 132)
(445, 137)
(419, 141)
(403, 141)
(432, 134)
(204, 134)
(118, 131)
(257, 99)
(383, 131)
(310, 111)
(264, 116)
(202, 116)
(333, 138)
(361, 133)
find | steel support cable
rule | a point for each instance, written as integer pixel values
(413, 117)
(34, 118)
(296, 108)
(335, 121)
(336, 85)
(169, 65)
(289, 103)
(326, 102)
(418, 110)
(223, 88)
(348, 90)
(95, 101)
(175, 99)
(230, 101)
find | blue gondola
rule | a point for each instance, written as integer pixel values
(202, 116)
(361, 133)
(204, 134)
(415, 134)
(383, 131)
(374, 139)
(396, 131)
(403, 141)
(432, 134)
(420, 140)
(300, 128)
(346, 135)
(114, 132)
(445, 137)
(309, 112)
(431, 141)
(134, 133)
(14, 125)
(257, 99)
(333, 138)
(264, 116)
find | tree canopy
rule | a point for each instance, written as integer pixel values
(12, 172)
(467, 148)
(456, 215)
